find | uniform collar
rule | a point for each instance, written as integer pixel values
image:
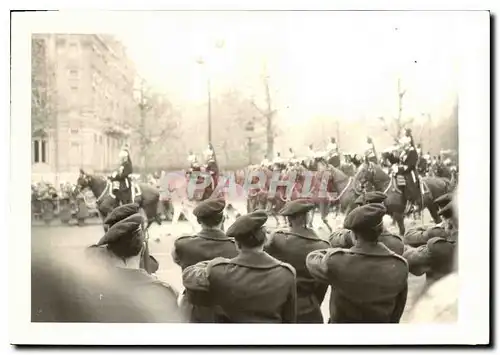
(213, 234)
(305, 233)
(378, 249)
(256, 260)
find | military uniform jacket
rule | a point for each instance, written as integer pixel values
(253, 287)
(369, 285)
(206, 245)
(189, 250)
(292, 247)
(432, 256)
(124, 171)
(342, 238)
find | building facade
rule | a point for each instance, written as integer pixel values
(83, 86)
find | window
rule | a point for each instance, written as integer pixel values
(74, 87)
(74, 130)
(40, 151)
(73, 72)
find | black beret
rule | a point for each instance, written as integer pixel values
(447, 211)
(371, 197)
(299, 206)
(247, 224)
(443, 200)
(436, 232)
(121, 212)
(209, 207)
(365, 217)
(123, 229)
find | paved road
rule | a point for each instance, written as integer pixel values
(72, 239)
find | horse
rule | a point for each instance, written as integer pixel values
(395, 202)
(347, 189)
(101, 187)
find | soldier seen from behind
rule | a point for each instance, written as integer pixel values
(431, 250)
(252, 287)
(211, 242)
(344, 238)
(291, 246)
(369, 281)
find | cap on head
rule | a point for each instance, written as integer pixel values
(364, 218)
(209, 207)
(436, 232)
(123, 230)
(121, 213)
(247, 224)
(300, 206)
(371, 197)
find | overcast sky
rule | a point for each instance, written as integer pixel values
(321, 63)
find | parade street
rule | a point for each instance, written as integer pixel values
(73, 239)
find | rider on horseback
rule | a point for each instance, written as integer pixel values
(332, 148)
(370, 151)
(408, 168)
(121, 177)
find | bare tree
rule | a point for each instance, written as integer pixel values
(400, 123)
(233, 112)
(43, 94)
(268, 114)
(158, 123)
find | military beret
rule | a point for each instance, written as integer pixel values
(443, 200)
(436, 232)
(121, 212)
(247, 224)
(447, 211)
(209, 207)
(123, 229)
(371, 197)
(299, 206)
(365, 217)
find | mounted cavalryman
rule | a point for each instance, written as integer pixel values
(121, 177)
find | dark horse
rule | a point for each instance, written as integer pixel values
(346, 188)
(396, 202)
(148, 201)
(101, 188)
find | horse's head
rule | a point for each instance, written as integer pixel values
(83, 181)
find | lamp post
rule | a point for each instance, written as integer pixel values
(218, 45)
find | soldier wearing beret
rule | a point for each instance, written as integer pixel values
(123, 246)
(435, 256)
(252, 287)
(148, 262)
(419, 235)
(343, 238)
(292, 246)
(211, 242)
(369, 282)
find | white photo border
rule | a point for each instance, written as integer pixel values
(474, 138)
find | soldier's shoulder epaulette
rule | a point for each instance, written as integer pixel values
(289, 268)
(166, 285)
(399, 257)
(217, 261)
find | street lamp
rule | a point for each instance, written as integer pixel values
(218, 45)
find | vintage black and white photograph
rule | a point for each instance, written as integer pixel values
(248, 167)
